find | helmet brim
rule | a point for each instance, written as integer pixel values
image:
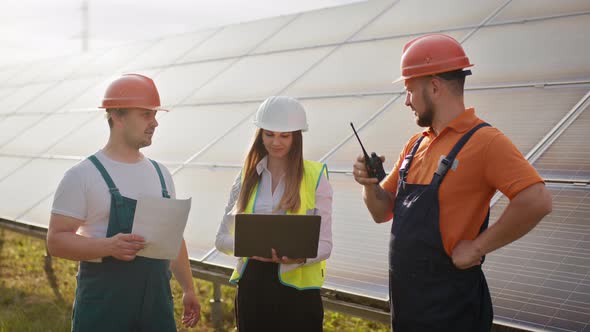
(434, 72)
(279, 129)
(159, 109)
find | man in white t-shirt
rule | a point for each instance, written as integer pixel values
(92, 218)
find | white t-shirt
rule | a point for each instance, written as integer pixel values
(84, 194)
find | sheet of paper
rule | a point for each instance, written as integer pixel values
(161, 221)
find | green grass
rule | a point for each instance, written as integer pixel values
(33, 298)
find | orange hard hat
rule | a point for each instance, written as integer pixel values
(432, 54)
(132, 91)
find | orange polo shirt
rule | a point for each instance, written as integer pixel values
(488, 161)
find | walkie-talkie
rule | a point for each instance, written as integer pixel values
(373, 163)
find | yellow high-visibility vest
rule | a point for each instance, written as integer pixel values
(307, 276)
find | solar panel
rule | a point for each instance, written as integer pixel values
(68, 66)
(6, 91)
(14, 125)
(186, 130)
(329, 121)
(57, 96)
(88, 137)
(34, 71)
(15, 188)
(235, 40)
(525, 115)
(358, 67)
(257, 77)
(10, 164)
(385, 135)
(36, 139)
(422, 16)
(40, 213)
(13, 101)
(197, 74)
(90, 98)
(521, 9)
(568, 157)
(8, 72)
(543, 279)
(536, 51)
(166, 51)
(359, 256)
(209, 189)
(337, 24)
(237, 140)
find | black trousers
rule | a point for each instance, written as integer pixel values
(264, 304)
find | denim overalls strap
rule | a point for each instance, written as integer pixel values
(117, 295)
(161, 176)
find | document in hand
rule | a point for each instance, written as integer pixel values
(161, 221)
(294, 236)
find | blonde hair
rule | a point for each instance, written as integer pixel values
(293, 174)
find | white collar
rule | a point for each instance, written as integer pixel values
(262, 165)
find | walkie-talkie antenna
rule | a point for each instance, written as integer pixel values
(361, 143)
(374, 164)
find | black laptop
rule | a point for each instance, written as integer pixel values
(294, 236)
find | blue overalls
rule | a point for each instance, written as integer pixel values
(116, 295)
(427, 292)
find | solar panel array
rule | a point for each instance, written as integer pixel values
(532, 74)
(544, 278)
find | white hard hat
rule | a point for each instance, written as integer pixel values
(282, 114)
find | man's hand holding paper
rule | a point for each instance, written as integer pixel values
(161, 221)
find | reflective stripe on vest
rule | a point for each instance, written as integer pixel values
(308, 276)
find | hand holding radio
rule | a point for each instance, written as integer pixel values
(373, 163)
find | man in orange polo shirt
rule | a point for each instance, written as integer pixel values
(438, 195)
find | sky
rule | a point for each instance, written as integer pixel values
(37, 29)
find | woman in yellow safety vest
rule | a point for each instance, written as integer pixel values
(279, 293)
